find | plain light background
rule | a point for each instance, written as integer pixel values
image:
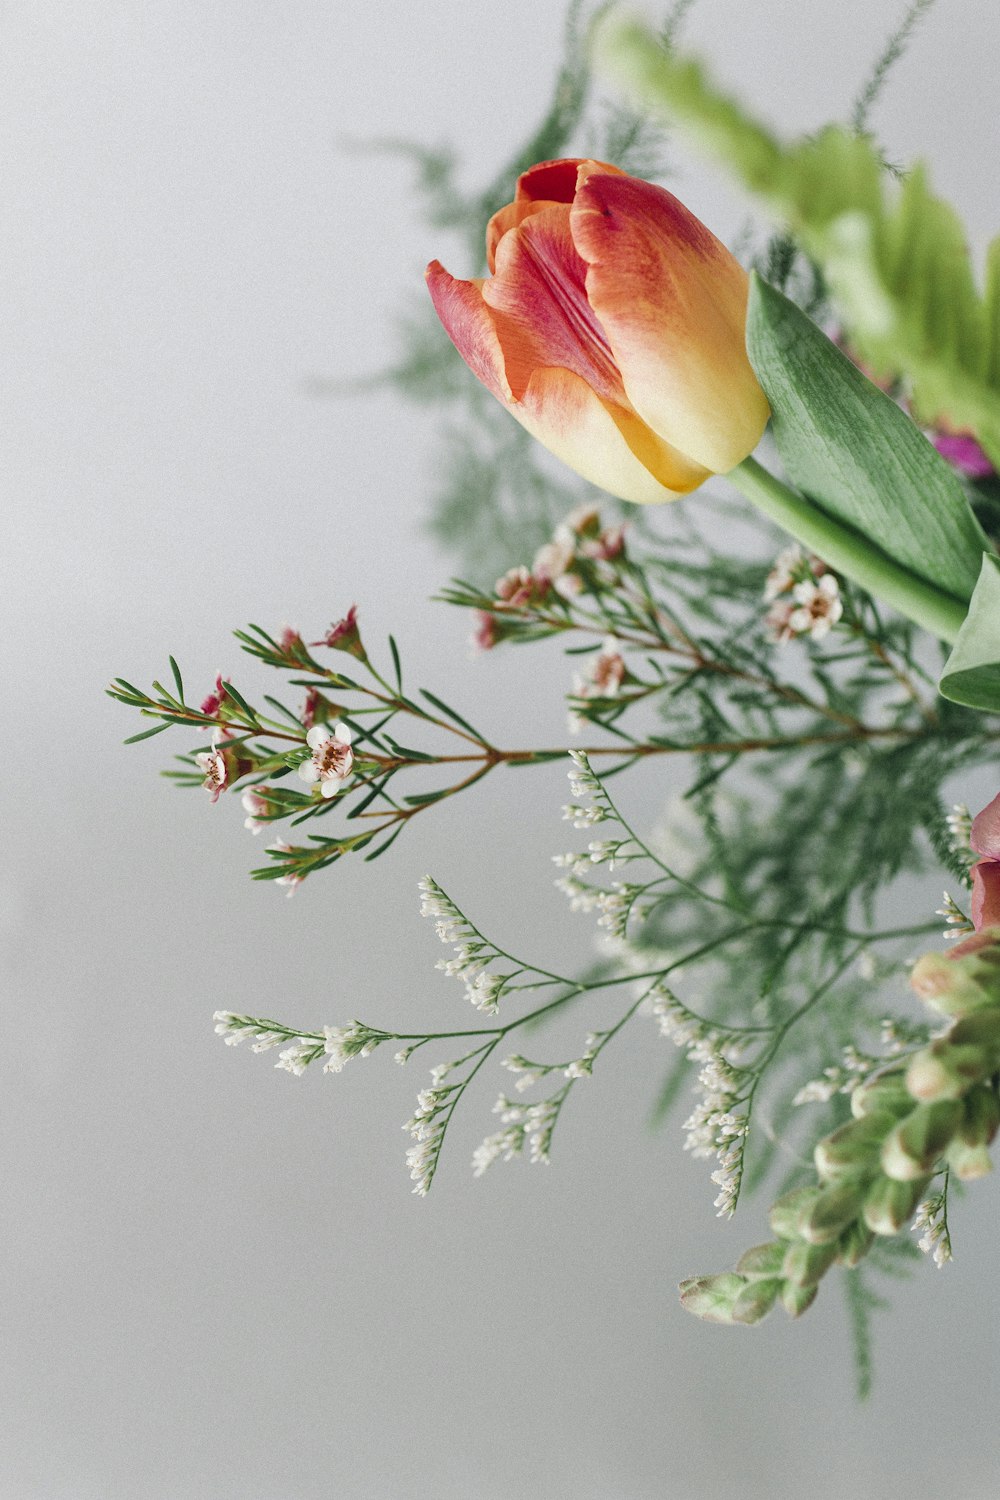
(216, 1285)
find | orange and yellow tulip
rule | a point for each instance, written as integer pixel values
(612, 327)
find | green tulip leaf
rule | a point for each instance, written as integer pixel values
(894, 256)
(851, 449)
(972, 672)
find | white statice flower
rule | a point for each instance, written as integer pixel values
(426, 1129)
(450, 924)
(528, 1125)
(959, 822)
(821, 1090)
(296, 1058)
(931, 1222)
(332, 760)
(958, 924)
(344, 1042)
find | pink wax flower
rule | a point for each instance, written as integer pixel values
(344, 635)
(216, 697)
(964, 454)
(332, 759)
(985, 840)
(213, 764)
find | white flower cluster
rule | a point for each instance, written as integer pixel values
(958, 924)
(839, 1078)
(525, 1124)
(530, 1073)
(473, 953)
(717, 1125)
(591, 806)
(426, 1128)
(344, 1042)
(959, 822)
(235, 1029)
(932, 1222)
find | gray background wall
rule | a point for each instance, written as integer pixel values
(216, 1284)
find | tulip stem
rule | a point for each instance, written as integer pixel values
(848, 552)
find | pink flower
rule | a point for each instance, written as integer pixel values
(519, 587)
(213, 763)
(964, 454)
(484, 638)
(985, 840)
(332, 759)
(605, 547)
(257, 806)
(216, 698)
(344, 636)
(291, 880)
(605, 674)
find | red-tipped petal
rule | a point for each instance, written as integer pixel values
(985, 837)
(543, 317)
(672, 302)
(470, 326)
(551, 181)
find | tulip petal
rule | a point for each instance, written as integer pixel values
(470, 326)
(985, 902)
(540, 299)
(608, 446)
(985, 837)
(672, 302)
(553, 181)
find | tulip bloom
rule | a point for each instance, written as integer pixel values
(612, 326)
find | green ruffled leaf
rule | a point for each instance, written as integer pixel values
(895, 258)
(849, 447)
(972, 672)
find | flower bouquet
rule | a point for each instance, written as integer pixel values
(819, 651)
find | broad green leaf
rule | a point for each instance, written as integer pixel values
(972, 672)
(849, 447)
(894, 257)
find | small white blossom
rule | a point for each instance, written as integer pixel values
(332, 759)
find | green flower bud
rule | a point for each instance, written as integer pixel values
(712, 1298)
(762, 1261)
(796, 1299)
(854, 1244)
(969, 1162)
(806, 1264)
(915, 1144)
(979, 1030)
(946, 1072)
(756, 1300)
(890, 1204)
(968, 1155)
(886, 1093)
(833, 1210)
(852, 1150)
(962, 981)
(981, 1116)
(788, 1213)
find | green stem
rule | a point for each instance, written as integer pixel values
(849, 552)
